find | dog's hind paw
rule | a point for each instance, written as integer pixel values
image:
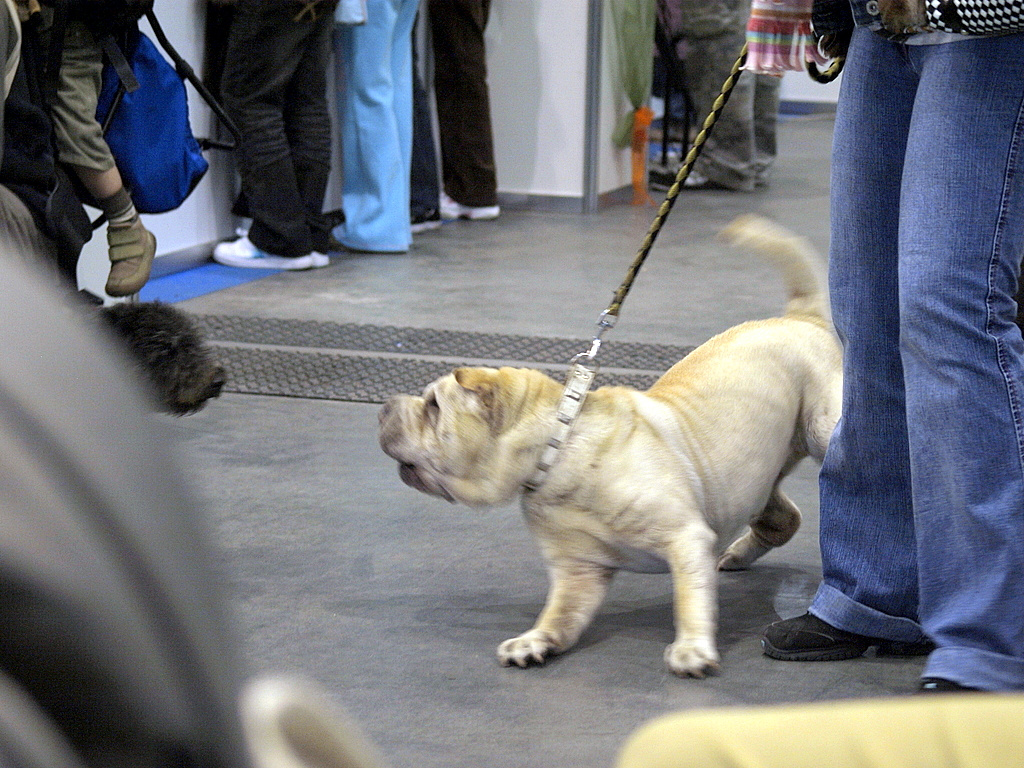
(741, 553)
(692, 658)
(533, 647)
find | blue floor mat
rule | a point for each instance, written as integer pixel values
(198, 281)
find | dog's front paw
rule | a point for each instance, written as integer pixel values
(533, 647)
(692, 658)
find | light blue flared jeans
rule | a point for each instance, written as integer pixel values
(374, 79)
(922, 487)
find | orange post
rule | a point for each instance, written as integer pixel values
(641, 128)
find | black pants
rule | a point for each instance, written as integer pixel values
(275, 87)
(463, 103)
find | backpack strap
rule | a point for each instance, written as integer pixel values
(55, 51)
(118, 61)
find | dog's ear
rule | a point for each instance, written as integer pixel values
(483, 382)
(502, 392)
(486, 384)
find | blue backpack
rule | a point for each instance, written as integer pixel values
(147, 128)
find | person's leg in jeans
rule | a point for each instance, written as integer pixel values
(402, 65)
(922, 488)
(374, 63)
(265, 46)
(961, 241)
(869, 566)
(308, 126)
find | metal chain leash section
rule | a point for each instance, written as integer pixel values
(583, 367)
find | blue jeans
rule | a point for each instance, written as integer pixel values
(922, 487)
(374, 76)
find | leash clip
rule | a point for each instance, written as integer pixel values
(582, 369)
(605, 322)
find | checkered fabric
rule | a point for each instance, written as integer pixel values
(976, 17)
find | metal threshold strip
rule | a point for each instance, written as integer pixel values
(368, 363)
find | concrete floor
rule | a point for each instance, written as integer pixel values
(395, 601)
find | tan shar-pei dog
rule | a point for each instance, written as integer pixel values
(656, 481)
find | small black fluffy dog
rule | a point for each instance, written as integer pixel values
(169, 352)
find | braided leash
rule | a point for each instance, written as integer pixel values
(677, 185)
(583, 367)
(830, 73)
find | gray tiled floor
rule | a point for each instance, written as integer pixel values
(396, 601)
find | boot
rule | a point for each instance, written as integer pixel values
(131, 248)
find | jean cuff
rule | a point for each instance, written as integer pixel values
(834, 608)
(976, 668)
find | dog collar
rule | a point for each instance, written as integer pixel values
(577, 384)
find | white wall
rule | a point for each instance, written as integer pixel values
(537, 67)
(798, 86)
(536, 58)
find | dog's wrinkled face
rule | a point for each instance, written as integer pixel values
(452, 441)
(436, 437)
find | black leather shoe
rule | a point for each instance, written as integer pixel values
(808, 638)
(941, 685)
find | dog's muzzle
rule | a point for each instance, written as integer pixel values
(414, 477)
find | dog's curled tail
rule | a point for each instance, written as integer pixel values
(794, 255)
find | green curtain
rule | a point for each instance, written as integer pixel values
(634, 37)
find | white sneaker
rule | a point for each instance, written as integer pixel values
(453, 210)
(695, 180)
(242, 253)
